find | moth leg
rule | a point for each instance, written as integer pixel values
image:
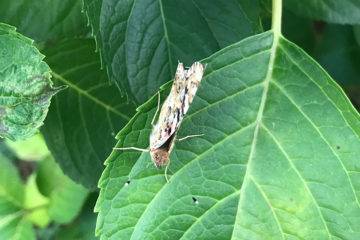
(190, 136)
(133, 148)
(166, 168)
(157, 110)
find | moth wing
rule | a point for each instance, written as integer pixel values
(193, 78)
(169, 117)
(183, 90)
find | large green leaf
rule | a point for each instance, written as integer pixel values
(279, 158)
(13, 220)
(44, 20)
(25, 86)
(83, 120)
(334, 11)
(141, 41)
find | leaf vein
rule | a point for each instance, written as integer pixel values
(86, 131)
(207, 23)
(322, 137)
(247, 57)
(257, 123)
(198, 219)
(186, 165)
(89, 96)
(300, 177)
(320, 88)
(222, 100)
(166, 34)
(269, 204)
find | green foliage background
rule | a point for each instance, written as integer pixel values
(279, 158)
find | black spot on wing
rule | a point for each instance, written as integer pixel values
(178, 115)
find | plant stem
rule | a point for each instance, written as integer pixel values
(276, 17)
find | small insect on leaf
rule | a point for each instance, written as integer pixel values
(163, 135)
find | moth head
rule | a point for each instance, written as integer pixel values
(159, 157)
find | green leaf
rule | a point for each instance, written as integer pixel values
(357, 33)
(25, 89)
(31, 149)
(66, 198)
(44, 20)
(35, 203)
(279, 158)
(11, 187)
(83, 120)
(13, 220)
(92, 9)
(16, 227)
(83, 228)
(141, 41)
(339, 53)
(334, 11)
(292, 25)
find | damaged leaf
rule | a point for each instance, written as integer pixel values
(25, 85)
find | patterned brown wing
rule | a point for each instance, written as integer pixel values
(182, 93)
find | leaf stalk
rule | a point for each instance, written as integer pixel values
(276, 17)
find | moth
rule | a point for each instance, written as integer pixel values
(162, 138)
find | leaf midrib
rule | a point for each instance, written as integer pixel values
(257, 126)
(89, 96)
(4, 221)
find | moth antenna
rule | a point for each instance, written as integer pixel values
(132, 148)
